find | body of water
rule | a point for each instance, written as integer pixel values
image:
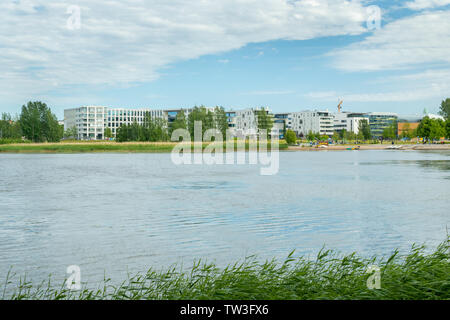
(119, 213)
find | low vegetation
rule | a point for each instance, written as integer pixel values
(416, 276)
(101, 146)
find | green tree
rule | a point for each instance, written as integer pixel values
(108, 133)
(264, 121)
(447, 128)
(291, 137)
(180, 122)
(39, 124)
(221, 120)
(431, 129)
(391, 131)
(364, 129)
(197, 114)
(445, 108)
(9, 127)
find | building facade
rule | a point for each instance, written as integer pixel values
(315, 121)
(379, 121)
(348, 121)
(91, 121)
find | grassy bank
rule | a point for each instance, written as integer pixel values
(83, 147)
(418, 275)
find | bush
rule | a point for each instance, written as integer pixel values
(291, 137)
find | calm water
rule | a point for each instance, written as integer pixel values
(119, 213)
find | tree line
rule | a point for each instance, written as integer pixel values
(157, 129)
(36, 123)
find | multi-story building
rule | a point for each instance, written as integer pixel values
(312, 121)
(246, 122)
(91, 121)
(379, 121)
(231, 119)
(281, 123)
(348, 121)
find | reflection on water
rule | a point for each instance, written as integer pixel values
(119, 213)
(433, 164)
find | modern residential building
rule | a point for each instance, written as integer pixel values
(281, 123)
(379, 121)
(231, 118)
(312, 121)
(348, 121)
(91, 121)
(246, 122)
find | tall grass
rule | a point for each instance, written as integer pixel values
(83, 147)
(417, 275)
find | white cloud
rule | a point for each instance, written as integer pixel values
(128, 41)
(429, 84)
(426, 4)
(412, 41)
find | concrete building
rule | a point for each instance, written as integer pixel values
(281, 123)
(231, 118)
(91, 121)
(246, 122)
(379, 121)
(348, 121)
(312, 121)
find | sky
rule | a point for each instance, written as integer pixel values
(285, 54)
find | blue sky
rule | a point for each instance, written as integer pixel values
(288, 55)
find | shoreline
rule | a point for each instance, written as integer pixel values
(166, 147)
(400, 147)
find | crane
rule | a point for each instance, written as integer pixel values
(340, 105)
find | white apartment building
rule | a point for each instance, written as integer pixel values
(119, 116)
(312, 121)
(91, 121)
(348, 121)
(246, 122)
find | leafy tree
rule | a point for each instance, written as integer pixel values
(198, 114)
(364, 129)
(391, 131)
(336, 136)
(407, 132)
(311, 136)
(152, 129)
(39, 124)
(72, 132)
(447, 128)
(431, 129)
(9, 128)
(445, 108)
(221, 120)
(291, 137)
(264, 121)
(108, 133)
(216, 119)
(180, 122)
